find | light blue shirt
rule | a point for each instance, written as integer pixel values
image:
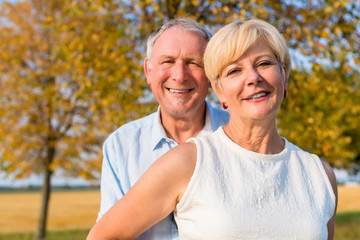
(131, 149)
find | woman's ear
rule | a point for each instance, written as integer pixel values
(285, 75)
(218, 91)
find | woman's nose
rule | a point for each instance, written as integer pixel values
(252, 76)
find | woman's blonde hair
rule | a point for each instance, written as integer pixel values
(233, 40)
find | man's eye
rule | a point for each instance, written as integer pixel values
(195, 64)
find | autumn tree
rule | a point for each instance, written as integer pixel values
(321, 113)
(68, 75)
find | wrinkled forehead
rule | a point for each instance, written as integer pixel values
(177, 41)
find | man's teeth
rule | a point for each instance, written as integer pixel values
(257, 95)
(179, 91)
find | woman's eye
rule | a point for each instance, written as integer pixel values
(265, 63)
(233, 71)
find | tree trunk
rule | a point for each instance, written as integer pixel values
(45, 199)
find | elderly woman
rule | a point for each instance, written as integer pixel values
(243, 181)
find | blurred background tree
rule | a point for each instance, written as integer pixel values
(68, 77)
(71, 72)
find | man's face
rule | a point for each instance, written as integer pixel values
(176, 74)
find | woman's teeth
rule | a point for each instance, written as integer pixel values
(257, 95)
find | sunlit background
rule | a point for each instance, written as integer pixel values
(71, 73)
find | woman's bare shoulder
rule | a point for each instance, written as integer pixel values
(329, 171)
(331, 175)
(185, 151)
(182, 158)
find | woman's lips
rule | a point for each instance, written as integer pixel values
(257, 95)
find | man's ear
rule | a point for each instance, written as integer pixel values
(147, 70)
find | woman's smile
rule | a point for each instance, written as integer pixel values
(258, 97)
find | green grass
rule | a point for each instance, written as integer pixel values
(346, 228)
(51, 235)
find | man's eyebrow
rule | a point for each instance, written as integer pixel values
(194, 58)
(165, 56)
(187, 59)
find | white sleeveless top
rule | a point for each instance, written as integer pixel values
(235, 193)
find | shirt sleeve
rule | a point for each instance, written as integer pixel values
(110, 185)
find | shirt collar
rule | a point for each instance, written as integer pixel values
(159, 134)
(208, 116)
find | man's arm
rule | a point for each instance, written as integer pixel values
(110, 186)
(151, 199)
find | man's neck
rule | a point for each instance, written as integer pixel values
(180, 129)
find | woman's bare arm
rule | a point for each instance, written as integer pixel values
(151, 199)
(332, 178)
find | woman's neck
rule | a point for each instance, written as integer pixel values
(256, 136)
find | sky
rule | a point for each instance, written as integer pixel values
(57, 180)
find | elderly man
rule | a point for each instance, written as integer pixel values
(174, 70)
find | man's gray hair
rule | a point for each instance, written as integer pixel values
(186, 23)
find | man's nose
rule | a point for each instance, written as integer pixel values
(180, 72)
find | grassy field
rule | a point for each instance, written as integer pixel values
(67, 210)
(347, 228)
(51, 235)
(72, 213)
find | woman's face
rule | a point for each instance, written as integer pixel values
(253, 86)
